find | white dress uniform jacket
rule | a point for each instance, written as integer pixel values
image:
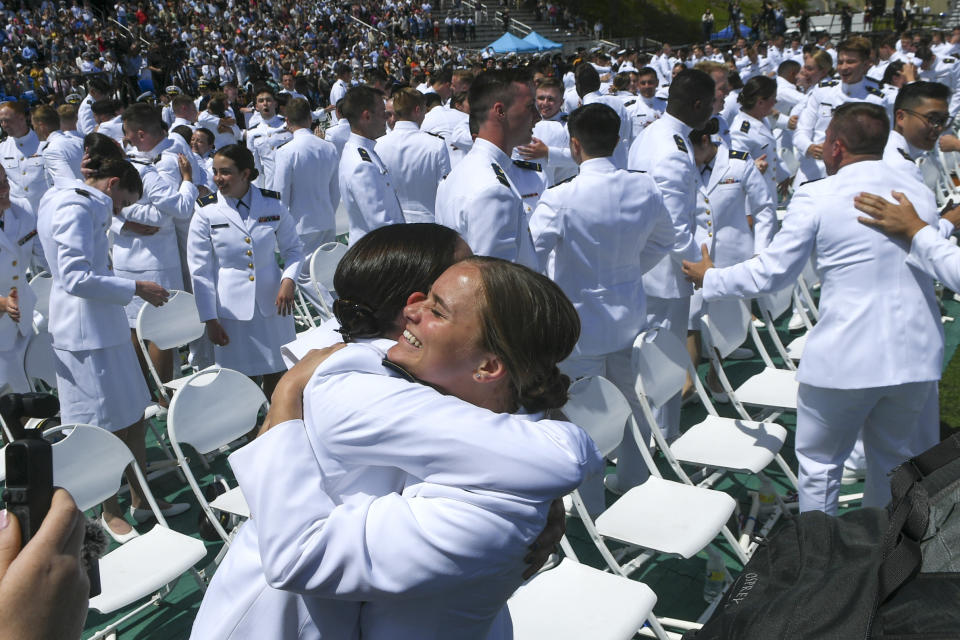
(478, 201)
(224, 253)
(211, 122)
(731, 193)
(603, 229)
(367, 188)
(756, 138)
(163, 202)
(337, 91)
(530, 180)
(665, 154)
(876, 310)
(263, 141)
(62, 158)
(817, 113)
(626, 125)
(924, 165)
(559, 163)
(450, 547)
(453, 126)
(23, 162)
(417, 161)
(306, 178)
(86, 123)
(18, 247)
(644, 112)
(937, 256)
(86, 301)
(112, 128)
(338, 134)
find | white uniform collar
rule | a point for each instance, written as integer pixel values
(676, 124)
(405, 125)
(302, 132)
(597, 165)
(362, 141)
(29, 138)
(899, 142)
(487, 148)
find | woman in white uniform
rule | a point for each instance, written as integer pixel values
(751, 132)
(244, 298)
(98, 376)
(362, 420)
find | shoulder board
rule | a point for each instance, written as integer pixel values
(636, 171)
(564, 118)
(745, 127)
(949, 60)
(268, 219)
(629, 102)
(140, 162)
(364, 154)
(563, 182)
(739, 155)
(85, 194)
(526, 164)
(501, 176)
(210, 198)
(809, 181)
(875, 91)
(282, 143)
(681, 145)
(435, 135)
(270, 194)
(22, 241)
(905, 154)
(828, 83)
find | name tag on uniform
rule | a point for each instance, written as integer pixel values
(25, 239)
(269, 219)
(219, 226)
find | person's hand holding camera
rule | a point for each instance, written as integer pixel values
(44, 587)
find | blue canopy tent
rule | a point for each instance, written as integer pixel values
(509, 43)
(727, 34)
(541, 43)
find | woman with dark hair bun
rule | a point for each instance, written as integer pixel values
(244, 298)
(751, 132)
(351, 430)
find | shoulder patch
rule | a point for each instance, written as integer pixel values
(270, 194)
(636, 171)
(364, 154)
(526, 164)
(629, 103)
(745, 127)
(565, 181)
(501, 176)
(874, 91)
(905, 154)
(435, 135)
(828, 83)
(140, 162)
(85, 194)
(739, 155)
(809, 181)
(210, 198)
(681, 145)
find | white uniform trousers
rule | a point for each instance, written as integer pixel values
(828, 421)
(671, 314)
(615, 367)
(311, 242)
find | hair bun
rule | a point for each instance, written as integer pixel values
(356, 319)
(547, 392)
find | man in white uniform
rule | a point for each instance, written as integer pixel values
(664, 152)
(595, 236)
(21, 155)
(306, 178)
(339, 88)
(873, 360)
(478, 199)
(365, 185)
(62, 153)
(417, 161)
(265, 137)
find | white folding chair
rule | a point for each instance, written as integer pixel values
(573, 601)
(213, 408)
(41, 284)
(171, 326)
(772, 306)
(724, 327)
(680, 519)
(38, 362)
(323, 264)
(89, 463)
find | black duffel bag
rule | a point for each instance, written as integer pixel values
(873, 573)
